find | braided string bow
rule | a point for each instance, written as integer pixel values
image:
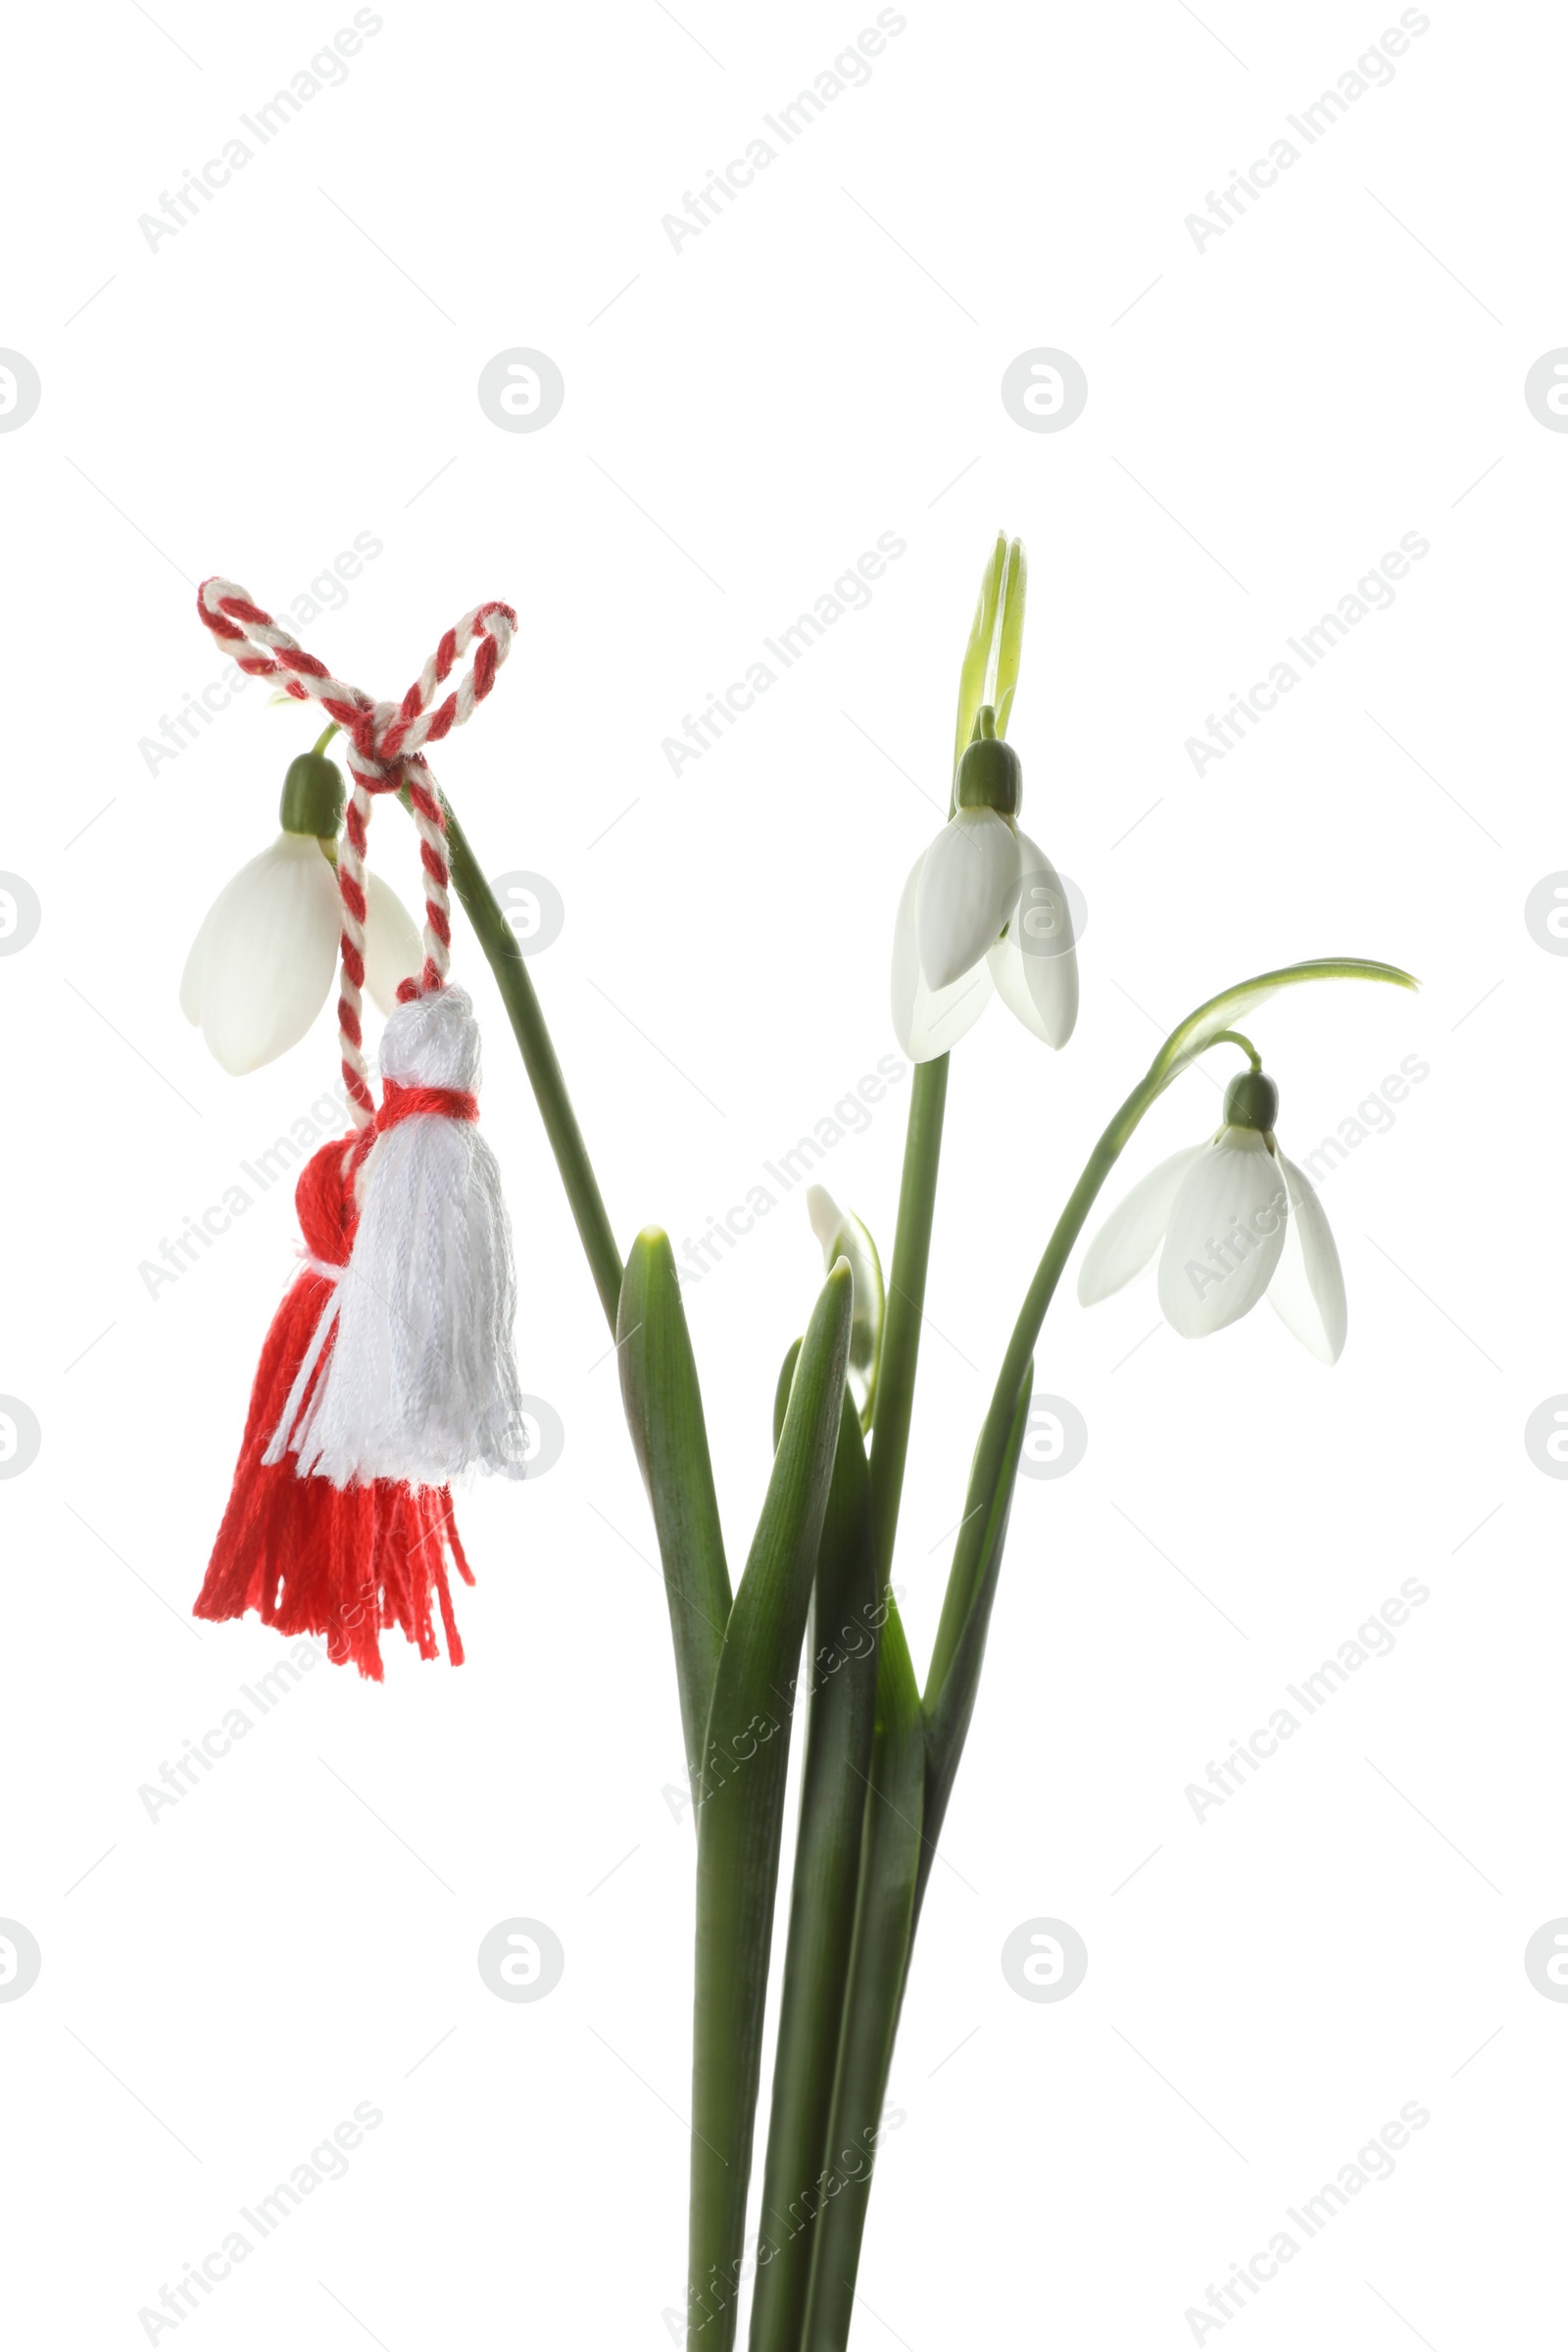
(385, 752)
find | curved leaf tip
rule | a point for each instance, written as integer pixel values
(1191, 1037)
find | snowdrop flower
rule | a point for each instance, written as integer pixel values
(1237, 1218)
(262, 964)
(983, 908)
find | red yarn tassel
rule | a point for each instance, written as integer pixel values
(310, 1557)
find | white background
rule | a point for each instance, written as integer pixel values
(1266, 416)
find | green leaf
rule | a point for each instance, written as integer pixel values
(884, 1924)
(741, 1809)
(781, 1394)
(990, 672)
(899, 1354)
(664, 1412)
(841, 1652)
(842, 1234)
(1236, 1005)
(977, 653)
(1004, 683)
(953, 1681)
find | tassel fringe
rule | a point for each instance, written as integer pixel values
(343, 1562)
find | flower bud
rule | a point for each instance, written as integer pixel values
(990, 773)
(313, 796)
(1252, 1101)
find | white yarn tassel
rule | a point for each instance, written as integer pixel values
(421, 1381)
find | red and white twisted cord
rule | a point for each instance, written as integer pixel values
(384, 745)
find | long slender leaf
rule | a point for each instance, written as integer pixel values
(977, 653)
(664, 1412)
(841, 1722)
(1009, 636)
(1200, 1028)
(950, 1707)
(741, 1809)
(900, 1330)
(884, 1916)
(786, 1381)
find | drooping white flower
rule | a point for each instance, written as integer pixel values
(1237, 1219)
(983, 908)
(261, 967)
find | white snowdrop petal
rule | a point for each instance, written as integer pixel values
(1035, 966)
(824, 1212)
(942, 1015)
(270, 947)
(392, 949)
(1226, 1233)
(190, 980)
(1308, 1288)
(926, 1022)
(1134, 1229)
(843, 1234)
(969, 883)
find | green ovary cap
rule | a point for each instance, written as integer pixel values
(1252, 1101)
(990, 776)
(313, 796)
